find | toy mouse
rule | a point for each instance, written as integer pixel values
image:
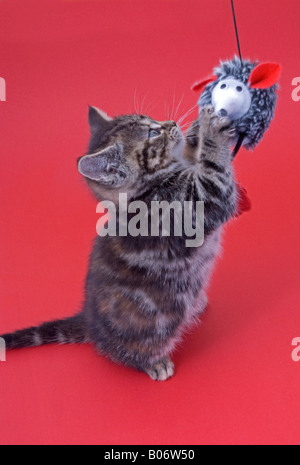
(245, 92)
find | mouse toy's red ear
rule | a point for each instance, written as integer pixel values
(243, 202)
(200, 85)
(264, 75)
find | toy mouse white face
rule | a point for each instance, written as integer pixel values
(231, 98)
(245, 92)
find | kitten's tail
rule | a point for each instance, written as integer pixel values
(67, 331)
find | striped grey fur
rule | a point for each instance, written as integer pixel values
(142, 292)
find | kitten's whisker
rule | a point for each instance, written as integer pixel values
(143, 101)
(188, 123)
(171, 118)
(191, 135)
(137, 103)
(168, 112)
(178, 106)
(134, 101)
(150, 108)
(184, 117)
(186, 129)
(186, 114)
(188, 133)
(194, 131)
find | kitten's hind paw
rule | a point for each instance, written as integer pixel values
(161, 370)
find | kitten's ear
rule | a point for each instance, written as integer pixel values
(105, 166)
(98, 120)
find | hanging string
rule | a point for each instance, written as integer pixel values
(236, 31)
(238, 145)
(242, 136)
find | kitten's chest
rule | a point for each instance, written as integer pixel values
(197, 275)
(206, 255)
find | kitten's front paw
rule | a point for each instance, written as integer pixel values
(161, 370)
(207, 114)
(215, 127)
(223, 128)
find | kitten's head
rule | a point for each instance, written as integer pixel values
(126, 150)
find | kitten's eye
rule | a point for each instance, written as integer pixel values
(239, 88)
(154, 133)
(223, 86)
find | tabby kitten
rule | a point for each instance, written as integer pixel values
(142, 292)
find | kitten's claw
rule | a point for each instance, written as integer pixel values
(207, 110)
(161, 370)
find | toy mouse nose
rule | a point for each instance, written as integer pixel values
(223, 112)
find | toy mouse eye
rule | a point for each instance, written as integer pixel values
(239, 88)
(223, 86)
(154, 133)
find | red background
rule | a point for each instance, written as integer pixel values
(235, 379)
